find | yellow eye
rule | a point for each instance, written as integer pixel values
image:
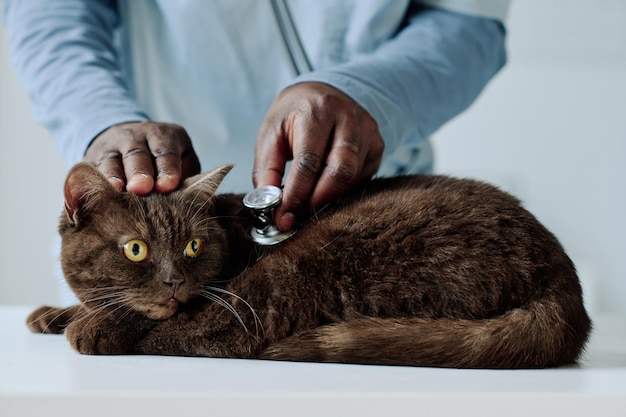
(136, 250)
(194, 247)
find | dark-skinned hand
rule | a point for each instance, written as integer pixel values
(142, 156)
(334, 144)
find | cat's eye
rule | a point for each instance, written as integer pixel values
(194, 247)
(136, 250)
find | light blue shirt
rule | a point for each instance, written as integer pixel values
(214, 67)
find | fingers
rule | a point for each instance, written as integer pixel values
(138, 167)
(309, 159)
(144, 156)
(324, 175)
(111, 166)
(345, 167)
(334, 144)
(122, 155)
(270, 156)
(173, 155)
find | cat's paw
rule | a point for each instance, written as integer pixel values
(50, 319)
(96, 337)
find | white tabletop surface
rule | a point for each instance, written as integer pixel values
(41, 376)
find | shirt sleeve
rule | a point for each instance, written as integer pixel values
(432, 70)
(493, 9)
(64, 56)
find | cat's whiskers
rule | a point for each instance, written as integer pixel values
(89, 292)
(57, 313)
(101, 312)
(109, 304)
(315, 217)
(330, 242)
(114, 293)
(317, 212)
(214, 297)
(227, 306)
(127, 311)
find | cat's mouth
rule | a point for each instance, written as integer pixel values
(171, 302)
(162, 310)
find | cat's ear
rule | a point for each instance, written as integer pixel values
(207, 182)
(84, 185)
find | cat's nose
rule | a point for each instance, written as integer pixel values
(171, 281)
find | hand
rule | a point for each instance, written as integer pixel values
(334, 144)
(142, 156)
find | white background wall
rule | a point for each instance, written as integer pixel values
(551, 128)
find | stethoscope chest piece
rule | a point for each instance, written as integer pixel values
(262, 203)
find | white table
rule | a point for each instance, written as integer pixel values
(41, 376)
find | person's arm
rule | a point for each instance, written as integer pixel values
(432, 70)
(63, 52)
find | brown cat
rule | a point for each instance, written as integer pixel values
(419, 270)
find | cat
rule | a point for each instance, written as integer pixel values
(417, 270)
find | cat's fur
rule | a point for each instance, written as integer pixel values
(420, 270)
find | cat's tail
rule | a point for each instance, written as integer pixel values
(543, 334)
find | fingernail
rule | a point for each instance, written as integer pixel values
(166, 183)
(117, 183)
(140, 184)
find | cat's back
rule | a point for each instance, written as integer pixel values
(450, 237)
(429, 201)
(458, 267)
(450, 221)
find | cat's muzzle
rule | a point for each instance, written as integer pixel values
(262, 203)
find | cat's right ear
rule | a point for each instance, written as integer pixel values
(207, 182)
(84, 185)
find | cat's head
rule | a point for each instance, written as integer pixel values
(147, 253)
